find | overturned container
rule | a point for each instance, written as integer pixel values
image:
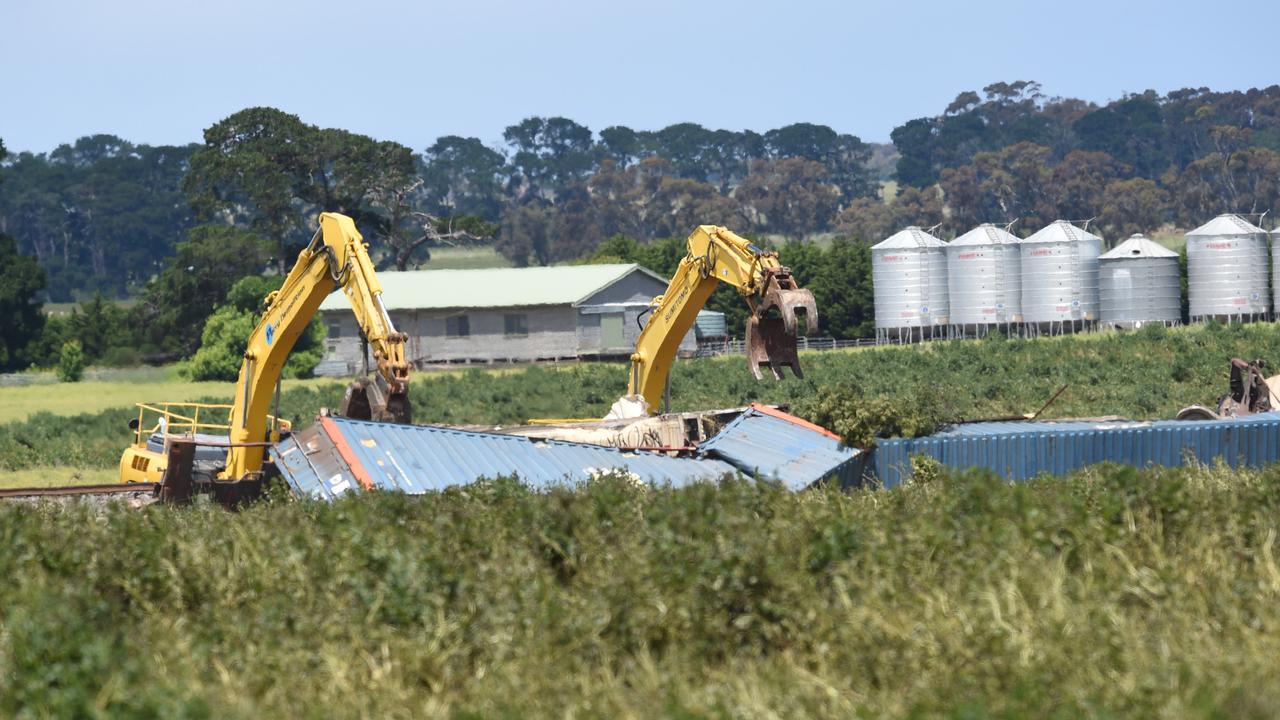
(1060, 279)
(984, 280)
(1227, 271)
(1139, 283)
(909, 272)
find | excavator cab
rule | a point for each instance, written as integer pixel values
(774, 324)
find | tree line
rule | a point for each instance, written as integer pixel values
(103, 214)
(172, 227)
(1134, 164)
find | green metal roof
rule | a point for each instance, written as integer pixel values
(494, 287)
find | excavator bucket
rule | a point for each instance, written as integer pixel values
(367, 399)
(773, 327)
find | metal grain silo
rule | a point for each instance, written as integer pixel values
(1275, 270)
(984, 278)
(909, 274)
(1060, 279)
(1227, 270)
(1139, 282)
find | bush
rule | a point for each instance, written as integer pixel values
(121, 357)
(70, 362)
(859, 419)
(226, 334)
(222, 345)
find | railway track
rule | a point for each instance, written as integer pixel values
(80, 490)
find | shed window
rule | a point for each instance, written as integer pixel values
(516, 325)
(459, 326)
(335, 329)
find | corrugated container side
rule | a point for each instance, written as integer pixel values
(772, 444)
(340, 455)
(1019, 452)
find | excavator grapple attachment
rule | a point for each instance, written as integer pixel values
(368, 399)
(773, 327)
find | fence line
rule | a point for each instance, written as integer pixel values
(712, 348)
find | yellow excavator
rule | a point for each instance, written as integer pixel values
(716, 255)
(233, 451)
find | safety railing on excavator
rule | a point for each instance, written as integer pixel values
(177, 418)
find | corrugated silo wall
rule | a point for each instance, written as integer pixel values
(910, 287)
(1060, 281)
(985, 284)
(1138, 290)
(1227, 276)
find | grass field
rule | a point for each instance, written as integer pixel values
(465, 258)
(58, 476)
(1173, 240)
(115, 389)
(1113, 593)
(64, 308)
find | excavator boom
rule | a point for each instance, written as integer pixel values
(335, 257)
(716, 255)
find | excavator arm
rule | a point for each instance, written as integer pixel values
(336, 257)
(716, 255)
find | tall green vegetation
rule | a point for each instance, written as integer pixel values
(102, 328)
(275, 171)
(100, 215)
(70, 361)
(1150, 374)
(1013, 153)
(20, 318)
(106, 216)
(194, 282)
(226, 334)
(1113, 593)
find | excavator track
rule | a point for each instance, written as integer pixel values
(80, 490)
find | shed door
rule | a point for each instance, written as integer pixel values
(611, 331)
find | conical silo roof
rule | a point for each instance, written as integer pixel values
(1061, 231)
(986, 234)
(1226, 225)
(1138, 246)
(912, 237)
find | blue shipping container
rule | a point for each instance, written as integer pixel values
(1021, 450)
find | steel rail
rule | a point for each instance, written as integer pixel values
(72, 490)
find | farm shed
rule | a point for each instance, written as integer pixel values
(1021, 450)
(503, 314)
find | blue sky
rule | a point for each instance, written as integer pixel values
(159, 71)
